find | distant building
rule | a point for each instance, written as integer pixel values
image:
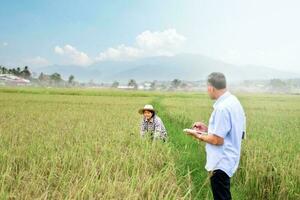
(125, 87)
(9, 79)
(145, 86)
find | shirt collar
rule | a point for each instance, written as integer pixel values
(151, 120)
(221, 98)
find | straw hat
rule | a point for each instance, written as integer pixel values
(146, 107)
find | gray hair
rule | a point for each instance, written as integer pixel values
(217, 80)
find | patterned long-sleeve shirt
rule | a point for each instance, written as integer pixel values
(155, 127)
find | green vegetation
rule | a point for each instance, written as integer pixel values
(269, 167)
(75, 143)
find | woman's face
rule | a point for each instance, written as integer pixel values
(147, 114)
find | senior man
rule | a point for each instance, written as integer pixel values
(225, 131)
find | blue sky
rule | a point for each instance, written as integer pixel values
(44, 32)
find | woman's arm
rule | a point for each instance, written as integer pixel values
(142, 128)
(160, 130)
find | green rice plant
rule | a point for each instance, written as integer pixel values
(78, 147)
(85, 144)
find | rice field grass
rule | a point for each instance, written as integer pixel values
(270, 161)
(85, 144)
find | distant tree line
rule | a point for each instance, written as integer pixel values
(24, 73)
(173, 85)
(42, 79)
(56, 79)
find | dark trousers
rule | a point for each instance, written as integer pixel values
(220, 185)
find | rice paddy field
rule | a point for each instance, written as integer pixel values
(85, 144)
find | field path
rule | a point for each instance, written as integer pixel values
(190, 156)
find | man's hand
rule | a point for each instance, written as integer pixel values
(193, 134)
(200, 126)
(210, 138)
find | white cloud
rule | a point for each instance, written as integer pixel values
(37, 61)
(147, 44)
(121, 52)
(165, 40)
(164, 43)
(58, 50)
(5, 44)
(77, 57)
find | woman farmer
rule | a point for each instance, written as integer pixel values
(151, 125)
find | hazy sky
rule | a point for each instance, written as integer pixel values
(46, 32)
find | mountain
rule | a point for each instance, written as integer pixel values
(183, 66)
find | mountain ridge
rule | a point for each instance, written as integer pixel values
(191, 67)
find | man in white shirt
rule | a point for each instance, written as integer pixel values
(225, 131)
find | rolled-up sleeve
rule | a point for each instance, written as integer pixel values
(220, 123)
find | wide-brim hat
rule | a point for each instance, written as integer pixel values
(147, 107)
